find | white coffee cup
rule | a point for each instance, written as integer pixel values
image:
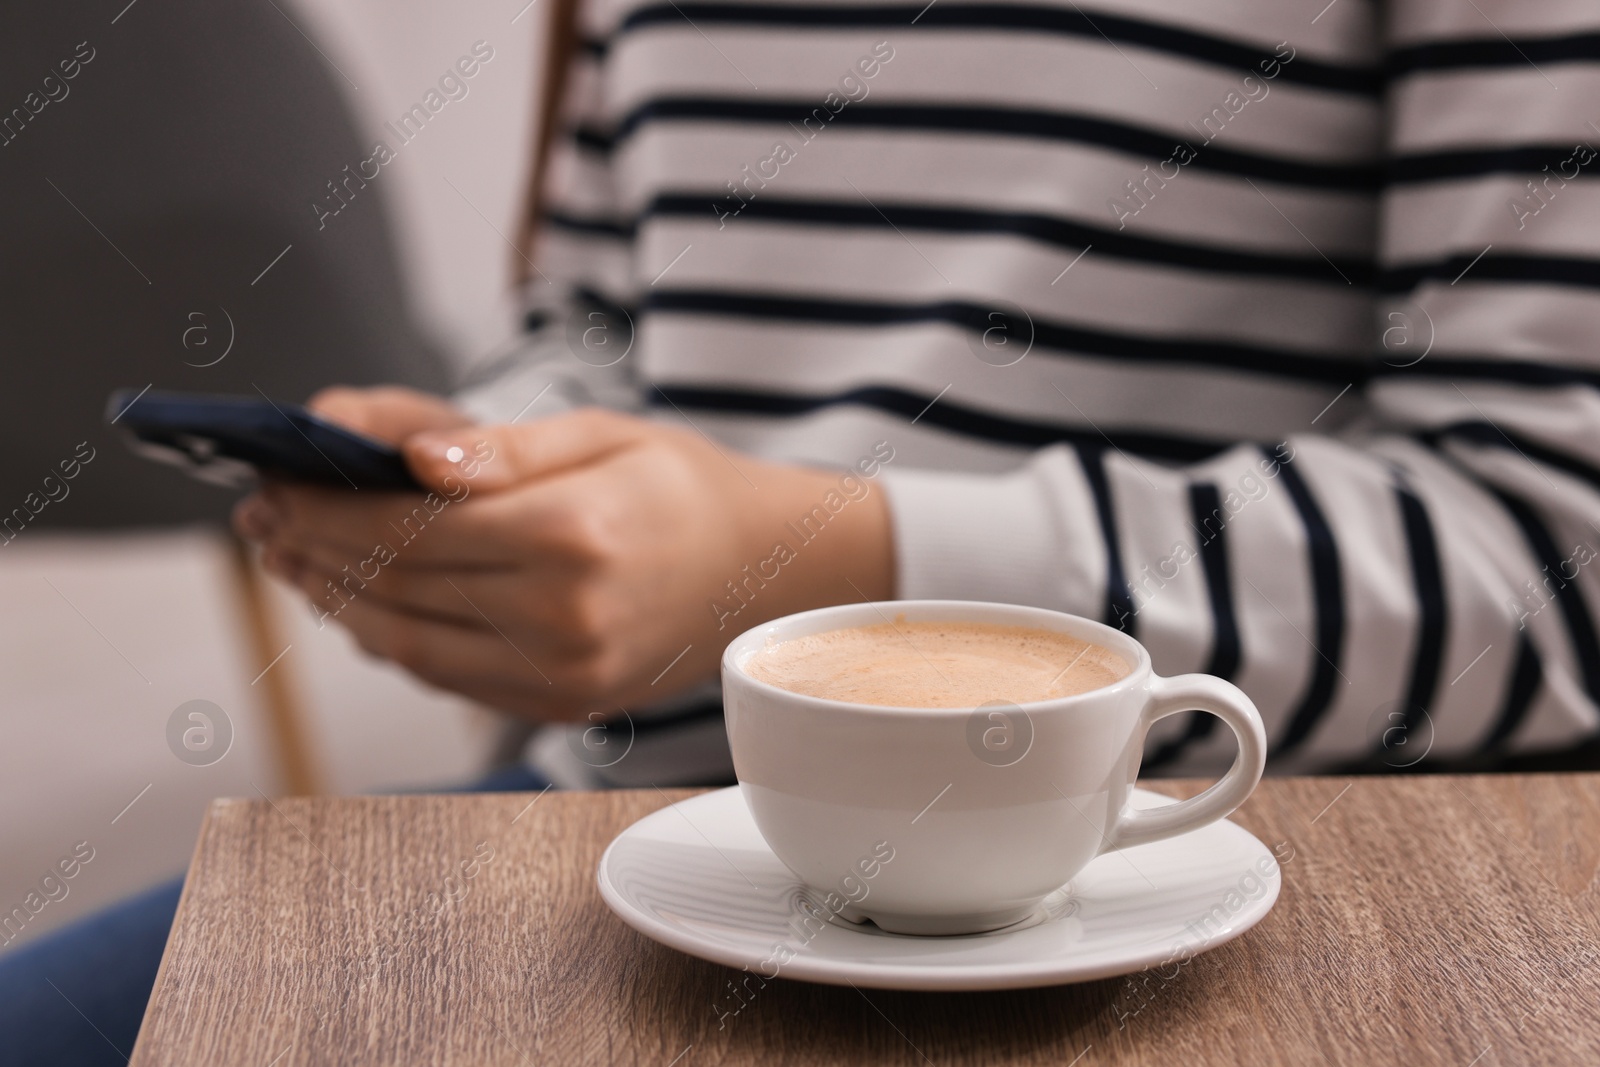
(985, 811)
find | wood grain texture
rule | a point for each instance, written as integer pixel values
(1426, 920)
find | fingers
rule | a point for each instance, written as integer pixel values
(329, 584)
(475, 461)
(488, 665)
(508, 455)
(441, 652)
(427, 529)
(498, 657)
(389, 413)
(465, 597)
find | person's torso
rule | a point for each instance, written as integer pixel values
(1014, 224)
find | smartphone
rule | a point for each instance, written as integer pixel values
(232, 440)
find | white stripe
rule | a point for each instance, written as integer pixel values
(1420, 20)
(1198, 401)
(1048, 72)
(1113, 294)
(1163, 565)
(1064, 179)
(1452, 109)
(1521, 323)
(1437, 220)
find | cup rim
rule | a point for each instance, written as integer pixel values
(753, 639)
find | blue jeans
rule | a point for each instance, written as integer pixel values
(77, 996)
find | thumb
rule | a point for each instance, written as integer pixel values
(493, 458)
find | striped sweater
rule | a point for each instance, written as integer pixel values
(1257, 329)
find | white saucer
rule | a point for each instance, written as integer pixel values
(698, 877)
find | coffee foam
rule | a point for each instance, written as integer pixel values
(937, 664)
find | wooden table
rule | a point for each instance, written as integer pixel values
(1424, 920)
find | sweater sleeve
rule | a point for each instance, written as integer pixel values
(1419, 586)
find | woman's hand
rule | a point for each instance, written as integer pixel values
(390, 413)
(587, 562)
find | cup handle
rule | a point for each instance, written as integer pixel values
(1196, 692)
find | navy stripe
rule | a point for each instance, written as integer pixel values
(1045, 229)
(1427, 579)
(1449, 166)
(1301, 365)
(947, 414)
(1210, 258)
(592, 226)
(1553, 270)
(1521, 688)
(593, 139)
(1096, 26)
(1205, 505)
(1074, 237)
(1119, 609)
(1574, 609)
(1489, 369)
(1493, 52)
(1327, 587)
(1141, 142)
(975, 318)
(1488, 433)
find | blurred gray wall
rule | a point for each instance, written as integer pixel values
(190, 147)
